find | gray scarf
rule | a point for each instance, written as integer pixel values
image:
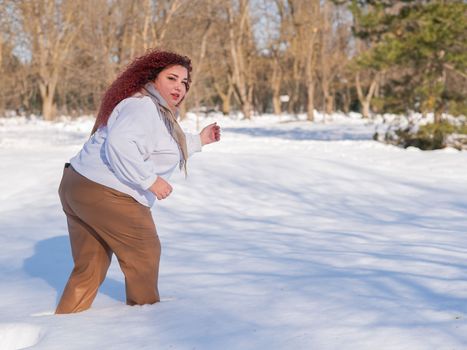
(170, 121)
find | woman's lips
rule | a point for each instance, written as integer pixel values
(175, 96)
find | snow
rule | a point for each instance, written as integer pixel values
(286, 235)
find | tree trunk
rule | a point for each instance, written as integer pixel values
(365, 99)
(328, 68)
(439, 103)
(146, 24)
(310, 37)
(295, 90)
(47, 92)
(276, 104)
(329, 104)
(365, 108)
(174, 6)
(48, 107)
(224, 95)
(225, 105)
(246, 109)
(239, 29)
(276, 79)
(310, 110)
(346, 100)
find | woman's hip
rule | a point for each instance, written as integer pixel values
(96, 203)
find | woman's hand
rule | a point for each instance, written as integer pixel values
(161, 188)
(210, 134)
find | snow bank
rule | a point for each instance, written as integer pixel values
(286, 235)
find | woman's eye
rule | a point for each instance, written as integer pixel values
(171, 78)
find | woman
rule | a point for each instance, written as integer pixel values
(108, 188)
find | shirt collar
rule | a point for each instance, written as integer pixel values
(157, 96)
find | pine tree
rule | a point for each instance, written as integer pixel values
(423, 41)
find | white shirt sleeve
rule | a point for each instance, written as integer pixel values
(129, 141)
(193, 143)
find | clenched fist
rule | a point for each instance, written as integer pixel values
(161, 188)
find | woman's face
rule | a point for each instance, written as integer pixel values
(171, 83)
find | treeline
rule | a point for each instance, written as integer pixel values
(58, 56)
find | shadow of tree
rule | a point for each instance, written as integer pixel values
(330, 133)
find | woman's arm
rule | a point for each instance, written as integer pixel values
(128, 143)
(209, 134)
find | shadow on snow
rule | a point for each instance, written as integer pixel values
(52, 261)
(328, 133)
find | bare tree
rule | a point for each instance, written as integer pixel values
(241, 51)
(278, 51)
(305, 15)
(202, 24)
(62, 54)
(333, 54)
(366, 88)
(51, 27)
(220, 72)
(365, 97)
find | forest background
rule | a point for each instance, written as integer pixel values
(254, 56)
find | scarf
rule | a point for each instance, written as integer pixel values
(170, 121)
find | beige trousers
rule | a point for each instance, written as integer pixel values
(103, 221)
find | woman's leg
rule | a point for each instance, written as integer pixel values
(91, 255)
(140, 265)
(133, 238)
(99, 215)
(92, 259)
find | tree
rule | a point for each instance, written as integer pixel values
(334, 43)
(303, 36)
(242, 50)
(422, 39)
(50, 27)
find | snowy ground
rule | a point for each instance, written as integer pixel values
(286, 235)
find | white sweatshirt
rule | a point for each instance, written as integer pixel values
(132, 150)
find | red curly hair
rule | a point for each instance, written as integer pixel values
(138, 73)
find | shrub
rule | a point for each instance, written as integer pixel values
(429, 136)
